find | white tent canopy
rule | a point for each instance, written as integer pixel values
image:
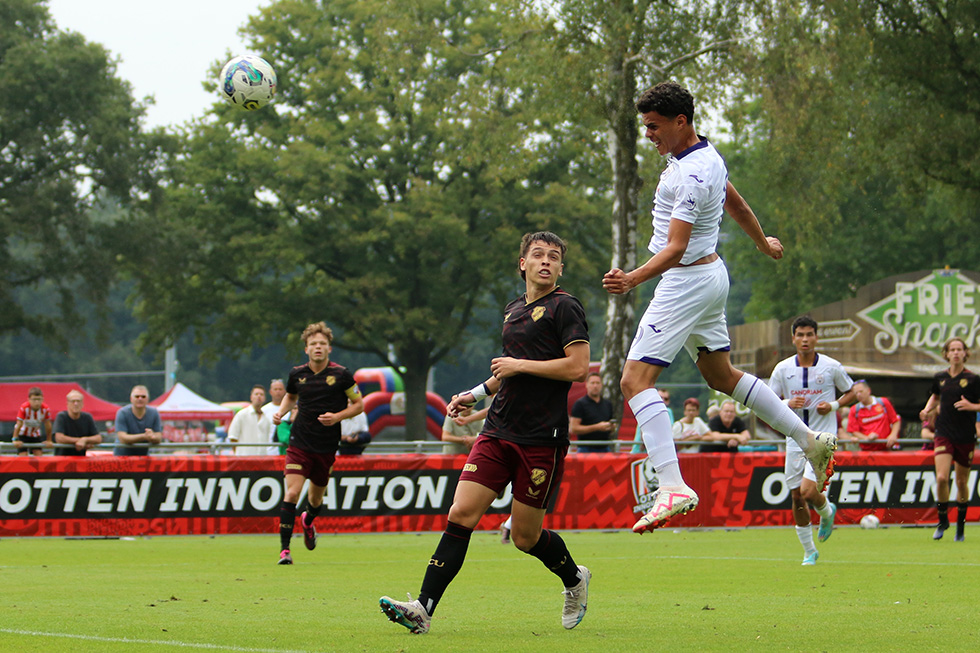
(182, 403)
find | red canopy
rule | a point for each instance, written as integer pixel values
(12, 395)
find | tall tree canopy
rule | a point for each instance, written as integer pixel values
(384, 192)
(857, 144)
(69, 135)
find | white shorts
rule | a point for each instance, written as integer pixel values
(687, 310)
(797, 466)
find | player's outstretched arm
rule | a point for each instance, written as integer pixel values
(742, 213)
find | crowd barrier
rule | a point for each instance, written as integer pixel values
(175, 495)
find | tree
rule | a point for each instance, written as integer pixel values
(69, 138)
(384, 192)
(835, 152)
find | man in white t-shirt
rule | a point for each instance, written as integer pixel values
(277, 390)
(250, 425)
(808, 383)
(688, 306)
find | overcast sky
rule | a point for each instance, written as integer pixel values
(165, 48)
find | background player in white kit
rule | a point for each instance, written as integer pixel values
(688, 307)
(808, 383)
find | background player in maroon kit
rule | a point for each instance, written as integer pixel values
(956, 393)
(327, 394)
(524, 439)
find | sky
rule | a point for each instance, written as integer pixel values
(164, 48)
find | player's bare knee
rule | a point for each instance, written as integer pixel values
(523, 542)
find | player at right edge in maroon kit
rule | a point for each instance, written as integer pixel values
(524, 439)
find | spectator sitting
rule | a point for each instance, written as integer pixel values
(728, 431)
(872, 419)
(75, 429)
(354, 435)
(33, 424)
(690, 426)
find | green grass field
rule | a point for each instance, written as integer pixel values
(892, 589)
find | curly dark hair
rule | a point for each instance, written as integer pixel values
(669, 99)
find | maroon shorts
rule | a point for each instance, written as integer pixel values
(962, 451)
(535, 472)
(312, 465)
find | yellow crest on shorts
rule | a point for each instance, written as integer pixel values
(537, 313)
(538, 476)
(330, 380)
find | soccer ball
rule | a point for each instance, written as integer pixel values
(248, 82)
(870, 521)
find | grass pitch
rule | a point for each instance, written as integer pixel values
(716, 590)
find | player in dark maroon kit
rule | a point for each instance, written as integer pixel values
(327, 395)
(524, 439)
(956, 393)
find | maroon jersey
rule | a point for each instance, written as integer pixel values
(957, 425)
(528, 409)
(325, 392)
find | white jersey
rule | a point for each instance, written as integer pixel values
(819, 382)
(692, 188)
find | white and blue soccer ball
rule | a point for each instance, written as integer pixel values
(870, 521)
(248, 82)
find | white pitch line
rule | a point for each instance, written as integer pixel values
(155, 642)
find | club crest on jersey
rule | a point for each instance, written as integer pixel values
(963, 383)
(469, 467)
(302, 379)
(330, 380)
(538, 476)
(819, 379)
(691, 204)
(537, 313)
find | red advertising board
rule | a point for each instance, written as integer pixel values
(177, 495)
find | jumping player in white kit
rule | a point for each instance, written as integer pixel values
(688, 307)
(808, 383)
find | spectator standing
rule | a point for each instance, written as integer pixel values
(277, 390)
(137, 423)
(872, 422)
(460, 432)
(355, 435)
(726, 431)
(326, 394)
(808, 383)
(74, 428)
(955, 393)
(33, 425)
(690, 426)
(251, 425)
(592, 417)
